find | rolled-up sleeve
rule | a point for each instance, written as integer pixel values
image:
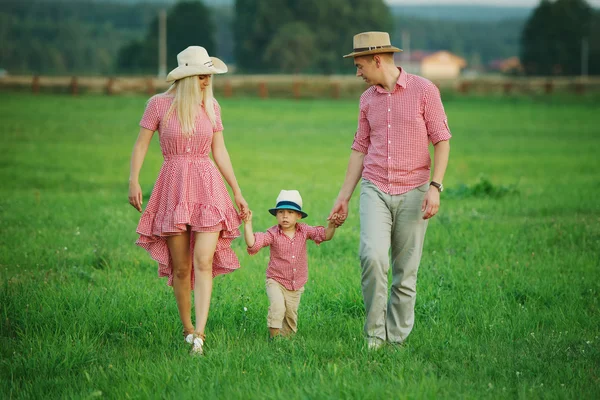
(260, 240)
(362, 138)
(315, 233)
(435, 117)
(151, 118)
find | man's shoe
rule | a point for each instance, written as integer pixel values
(374, 343)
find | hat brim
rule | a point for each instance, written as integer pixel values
(219, 67)
(273, 211)
(374, 51)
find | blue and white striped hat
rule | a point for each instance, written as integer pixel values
(289, 200)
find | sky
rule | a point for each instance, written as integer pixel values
(500, 3)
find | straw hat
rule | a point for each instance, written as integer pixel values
(195, 61)
(372, 43)
(289, 200)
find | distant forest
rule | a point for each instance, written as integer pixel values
(85, 36)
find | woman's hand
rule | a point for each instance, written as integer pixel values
(135, 195)
(242, 205)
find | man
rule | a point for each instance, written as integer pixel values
(400, 114)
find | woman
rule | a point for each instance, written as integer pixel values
(190, 221)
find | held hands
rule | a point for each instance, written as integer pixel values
(242, 205)
(431, 203)
(248, 217)
(135, 195)
(339, 213)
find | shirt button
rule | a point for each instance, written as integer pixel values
(188, 149)
(389, 109)
(389, 126)
(389, 158)
(389, 141)
(389, 94)
(293, 256)
(294, 269)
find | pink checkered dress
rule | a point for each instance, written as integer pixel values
(189, 190)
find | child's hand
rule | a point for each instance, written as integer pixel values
(248, 217)
(336, 220)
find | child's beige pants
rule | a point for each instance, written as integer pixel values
(283, 307)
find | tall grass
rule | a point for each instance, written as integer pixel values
(507, 303)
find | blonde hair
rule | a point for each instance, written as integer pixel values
(187, 97)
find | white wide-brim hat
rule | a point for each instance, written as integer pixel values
(195, 61)
(366, 43)
(289, 200)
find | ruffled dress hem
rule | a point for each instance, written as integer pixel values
(154, 228)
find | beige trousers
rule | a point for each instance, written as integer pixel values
(396, 222)
(283, 307)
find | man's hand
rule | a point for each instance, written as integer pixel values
(431, 203)
(339, 212)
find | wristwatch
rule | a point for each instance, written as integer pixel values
(438, 186)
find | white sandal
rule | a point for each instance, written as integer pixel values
(197, 342)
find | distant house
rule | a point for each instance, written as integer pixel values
(433, 65)
(509, 66)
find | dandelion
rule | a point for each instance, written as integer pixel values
(65, 249)
(245, 309)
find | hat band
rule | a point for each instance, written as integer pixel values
(288, 203)
(356, 50)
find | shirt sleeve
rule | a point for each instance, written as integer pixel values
(218, 123)
(362, 138)
(261, 239)
(151, 118)
(315, 233)
(435, 116)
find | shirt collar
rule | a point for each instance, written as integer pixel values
(298, 228)
(401, 81)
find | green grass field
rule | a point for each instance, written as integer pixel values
(508, 291)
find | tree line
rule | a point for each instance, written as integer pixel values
(280, 36)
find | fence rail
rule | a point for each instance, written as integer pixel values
(292, 86)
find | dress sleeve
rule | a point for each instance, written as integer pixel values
(315, 233)
(151, 118)
(261, 239)
(218, 123)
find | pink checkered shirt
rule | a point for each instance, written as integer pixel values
(394, 131)
(288, 264)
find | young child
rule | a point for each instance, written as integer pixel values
(288, 265)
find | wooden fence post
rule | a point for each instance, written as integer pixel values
(263, 91)
(35, 84)
(296, 89)
(74, 86)
(228, 91)
(110, 86)
(507, 87)
(336, 90)
(150, 87)
(548, 87)
(464, 87)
